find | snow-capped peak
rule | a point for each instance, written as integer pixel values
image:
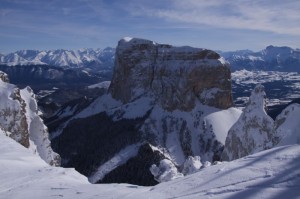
(60, 57)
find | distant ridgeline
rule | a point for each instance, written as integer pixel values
(58, 68)
(270, 59)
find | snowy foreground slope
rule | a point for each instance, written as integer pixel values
(270, 174)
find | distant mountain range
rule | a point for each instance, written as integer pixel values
(270, 59)
(95, 59)
(59, 68)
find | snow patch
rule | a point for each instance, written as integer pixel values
(100, 85)
(120, 158)
(222, 121)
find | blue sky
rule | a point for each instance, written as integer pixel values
(214, 24)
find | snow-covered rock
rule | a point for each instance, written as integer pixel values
(287, 126)
(38, 132)
(253, 132)
(13, 112)
(191, 165)
(4, 77)
(166, 171)
(19, 118)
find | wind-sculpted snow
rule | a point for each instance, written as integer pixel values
(271, 174)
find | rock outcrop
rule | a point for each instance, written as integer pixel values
(20, 119)
(38, 132)
(253, 132)
(165, 171)
(169, 97)
(256, 131)
(176, 76)
(4, 77)
(12, 112)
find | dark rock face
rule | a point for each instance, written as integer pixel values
(136, 170)
(87, 143)
(61, 99)
(175, 76)
(62, 115)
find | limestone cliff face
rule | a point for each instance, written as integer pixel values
(175, 76)
(13, 113)
(20, 120)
